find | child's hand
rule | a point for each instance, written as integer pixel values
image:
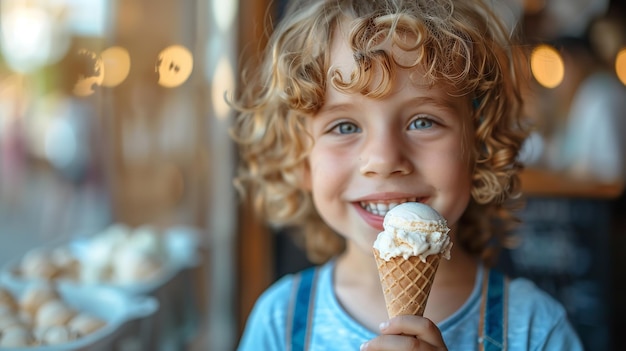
(407, 333)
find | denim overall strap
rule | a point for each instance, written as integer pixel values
(300, 312)
(493, 319)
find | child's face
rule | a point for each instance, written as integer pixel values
(409, 146)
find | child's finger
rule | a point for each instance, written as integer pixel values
(422, 328)
(396, 343)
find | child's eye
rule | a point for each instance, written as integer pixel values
(346, 128)
(421, 123)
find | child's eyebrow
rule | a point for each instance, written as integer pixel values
(448, 103)
(335, 107)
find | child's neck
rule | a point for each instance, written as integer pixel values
(453, 285)
(357, 288)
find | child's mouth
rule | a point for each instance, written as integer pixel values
(380, 208)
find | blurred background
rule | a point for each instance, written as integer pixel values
(113, 113)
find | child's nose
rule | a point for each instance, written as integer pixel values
(385, 155)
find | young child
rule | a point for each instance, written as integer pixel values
(363, 104)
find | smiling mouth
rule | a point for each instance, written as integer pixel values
(380, 208)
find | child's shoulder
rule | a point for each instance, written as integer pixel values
(265, 327)
(277, 295)
(275, 298)
(524, 291)
(267, 321)
(536, 320)
(528, 301)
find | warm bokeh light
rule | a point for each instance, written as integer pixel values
(223, 82)
(93, 73)
(620, 65)
(116, 62)
(547, 66)
(174, 66)
(532, 7)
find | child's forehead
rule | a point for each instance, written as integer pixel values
(343, 59)
(342, 55)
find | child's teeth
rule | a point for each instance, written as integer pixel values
(380, 208)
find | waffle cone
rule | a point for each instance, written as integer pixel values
(406, 283)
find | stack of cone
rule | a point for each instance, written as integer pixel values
(406, 283)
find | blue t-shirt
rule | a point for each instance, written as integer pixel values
(535, 320)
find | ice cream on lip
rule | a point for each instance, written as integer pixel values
(413, 229)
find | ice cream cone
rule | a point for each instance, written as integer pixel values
(406, 282)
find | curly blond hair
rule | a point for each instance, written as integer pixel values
(458, 43)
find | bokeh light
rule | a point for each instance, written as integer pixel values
(532, 7)
(174, 66)
(91, 73)
(60, 143)
(620, 65)
(547, 66)
(224, 13)
(116, 62)
(31, 37)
